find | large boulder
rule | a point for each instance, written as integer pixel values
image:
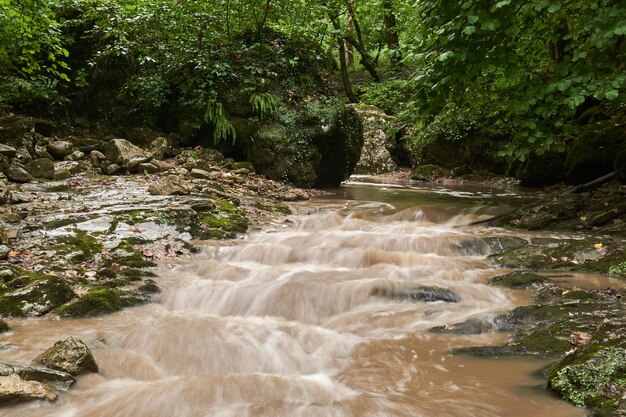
(18, 173)
(41, 168)
(541, 170)
(592, 154)
(123, 153)
(472, 153)
(317, 146)
(70, 355)
(51, 377)
(59, 149)
(8, 151)
(379, 140)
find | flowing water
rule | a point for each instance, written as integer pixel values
(307, 318)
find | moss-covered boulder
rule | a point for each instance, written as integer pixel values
(379, 140)
(70, 355)
(594, 375)
(593, 153)
(541, 170)
(315, 144)
(35, 299)
(99, 301)
(41, 168)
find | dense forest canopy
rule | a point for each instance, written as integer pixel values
(518, 71)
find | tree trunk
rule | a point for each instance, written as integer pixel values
(391, 30)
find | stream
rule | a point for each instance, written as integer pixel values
(313, 315)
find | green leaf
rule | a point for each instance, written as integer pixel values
(472, 19)
(469, 30)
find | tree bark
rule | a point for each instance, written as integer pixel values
(391, 30)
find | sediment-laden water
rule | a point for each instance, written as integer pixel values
(317, 316)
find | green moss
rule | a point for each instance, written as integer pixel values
(99, 301)
(106, 273)
(55, 224)
(36, 298)
(518, 279)
(60, 188)
(548, 341)
(134, 274)
(275, 208)
(80, 242)
(587, 379)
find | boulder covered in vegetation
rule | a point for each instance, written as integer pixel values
(593, 153)
(379, 140)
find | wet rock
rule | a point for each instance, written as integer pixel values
(66, 169)
(379, 141)
(41, 168)
(519, 279)
(420, 294)
(294, 195)
(70, 355)
(18, 173)
(15, 389)
(125, 154)
(99, 301)
(592, 375)
(8, 151)
(35, 299)
(4, 327)
(96, 157)
(428, 172)
(160, 147)
(244, 165)
(471, 326)
(23, 155)
(60, 149)
(51, 377)
(75, 156)
(170, 186)
(109, 168)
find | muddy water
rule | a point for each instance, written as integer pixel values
(308, 318)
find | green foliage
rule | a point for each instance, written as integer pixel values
(619, 269)
(223, 129)
(264, 104)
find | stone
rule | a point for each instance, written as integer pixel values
(125, 154)
(592, 154)
(4, 252)
(15, 389)
(41, 168)
(170, 186)
(519, 279)
(4, 327)
(60, 149)
(18, 173)
(428, 172)
(379, 140)
(146, 168)
(6, 274)
(66, 169)
(541, 170)
(23, 155)
(75, 156)
(70, 355)
(41, 152)
(200, 173)
(52, 377)
(86, 145)
(8, 151)
(35, 299)
(162, 165)
(160, 147)
(96, 157)
(420, 294)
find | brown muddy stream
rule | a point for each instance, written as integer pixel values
(296, 320)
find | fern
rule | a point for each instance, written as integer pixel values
(223, 127)
(264, 104)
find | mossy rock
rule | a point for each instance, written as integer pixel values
(4, 327)
(99, 301)
(470, 326)
(428, 172)
(275, 208)
(82, 243)
(595, 374)
(541, 170)
(518, 279)
(35, 299)
(592, 154)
